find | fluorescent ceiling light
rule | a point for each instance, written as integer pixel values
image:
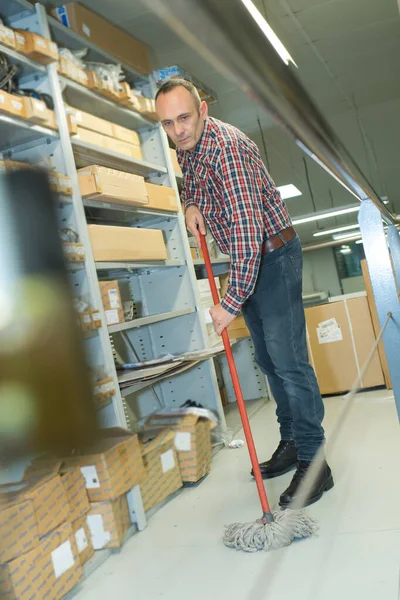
(336, 230)
(359, 241)
(268, 32)
(346, 236)
(288, 191)
(326, 215)
(345, 250)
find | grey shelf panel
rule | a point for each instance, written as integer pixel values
(89, 154)
(83, 98)
(64, 36)
(10, 8)
(64, 199)
(26, 66)
(137, 210)
(150, 320)
(112, 266)
(215, 261)
(141, 385)
(15, 132)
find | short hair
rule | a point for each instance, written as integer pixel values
(171, 84)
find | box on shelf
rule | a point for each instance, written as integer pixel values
(108, 522)
(238, 328)
(163, 476)
(62, 560)
(109, 143)
(48, 498)
(27, 576)
(5, 100)
(175, 164)
(112, 303)
(83, 539)
(7, 36)
(12, 104)
(197, 253)
(35, 110)
(64, 184)
(192, 440)
(103, 390)
(125, 135)
(105, 35)
(148, 108)
(51, 121)
(112, 466)
(161, 197)
(36, 47)
(109, 185)
(74, 251)
(96, 318)
(126, 243)
(87, 121)
(340, 337)
(93, 81)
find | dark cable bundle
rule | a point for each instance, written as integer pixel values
(8, 74)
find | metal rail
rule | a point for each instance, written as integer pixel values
(224, 33)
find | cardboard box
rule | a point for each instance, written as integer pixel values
(125, 135)
(35, 110)
(87, 121)
(175, 164)
(36, 47)
(112, 466)
(51, 121)
(71, 478)
(126, 243)
(12, 105)
(192, 442)
(83, 539)
(109, 143)
(340, 337)
(64, 184)
(105, 35)
(162, 467)
(112, 302)
(5, 102)
(62, 560)
(18, 526)
(238, 328)
(375, 323)
(7, 36)
(161, 197)
(108, 523)
(109, 185)
(48, 498)
(27, 577)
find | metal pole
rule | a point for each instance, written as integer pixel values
(226, 35)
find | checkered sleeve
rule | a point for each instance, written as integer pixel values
(242, 190)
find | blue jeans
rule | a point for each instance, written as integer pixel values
(274, 314)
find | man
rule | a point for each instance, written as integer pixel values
(227, 187)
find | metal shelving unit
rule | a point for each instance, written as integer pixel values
(15, 131)
(149, 320)
(25, 65)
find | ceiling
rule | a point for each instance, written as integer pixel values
(347, 52)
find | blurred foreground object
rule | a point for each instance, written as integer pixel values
(45, 394)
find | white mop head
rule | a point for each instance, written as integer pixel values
(287, 526)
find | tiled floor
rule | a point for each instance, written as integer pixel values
(356, 555)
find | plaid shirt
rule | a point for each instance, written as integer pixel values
(226, 179)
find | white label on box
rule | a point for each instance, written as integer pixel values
(112, 317)
(87, 319)
(183, 441)
(16, 104)
(114, 300)
(91, 478)
(100, 537)
(329, 331)
(207, 316)
(96, 316)
(41, 42)
(81, 540)
(78, 116)
(168, 461)
(2, 98)
(20, 39)
(86, 29)
(63, 559)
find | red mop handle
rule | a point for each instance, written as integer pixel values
(236, 386)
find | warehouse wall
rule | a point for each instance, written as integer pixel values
(320, 272)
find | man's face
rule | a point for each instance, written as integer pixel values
(180, 118)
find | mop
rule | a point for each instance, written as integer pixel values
(274, 529)
(279, 528)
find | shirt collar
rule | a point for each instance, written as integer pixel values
(202, 145)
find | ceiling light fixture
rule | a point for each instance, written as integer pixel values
(345, 250)
(346, 236)
(288, 191)
(336, 230)
(318, 216)
(359, 241)
(268, 31)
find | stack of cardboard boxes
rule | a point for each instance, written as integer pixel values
(53, 521)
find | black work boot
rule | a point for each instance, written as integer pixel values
(323, 484)
(284, 459)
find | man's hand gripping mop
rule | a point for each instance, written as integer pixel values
(274, 529)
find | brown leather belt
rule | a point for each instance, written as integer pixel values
(275, 242)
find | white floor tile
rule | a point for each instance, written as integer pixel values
(356, 555)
